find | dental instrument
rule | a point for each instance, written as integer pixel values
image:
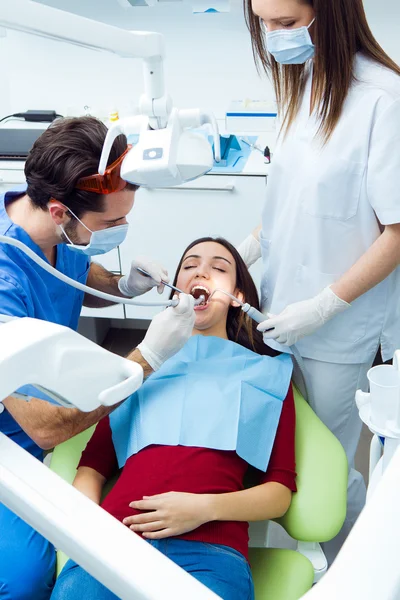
(169, 285)
(172, 287)
(252, 312)
(254, 146)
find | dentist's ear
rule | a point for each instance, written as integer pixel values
(239, 296)
(57, 211)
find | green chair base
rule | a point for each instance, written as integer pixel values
(280, 574)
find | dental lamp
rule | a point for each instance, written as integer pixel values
(167, 153)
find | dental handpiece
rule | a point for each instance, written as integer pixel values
(252, 312)
(169, 285)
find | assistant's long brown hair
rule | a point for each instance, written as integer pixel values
(239, 327)
(340, 30)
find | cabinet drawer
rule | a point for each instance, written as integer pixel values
(111, 312)
(8, 177)
(109, 261)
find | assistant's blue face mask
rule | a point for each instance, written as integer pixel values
(290, 46)
(101, 241)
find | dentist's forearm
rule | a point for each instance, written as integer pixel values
(372, 267)
(104, 281)
(50, 425)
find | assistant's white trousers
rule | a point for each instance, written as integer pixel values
(332, 389)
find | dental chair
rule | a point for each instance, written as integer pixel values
(316, 513)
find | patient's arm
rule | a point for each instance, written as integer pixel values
(89, 482)
(175, 513)
(266, 501)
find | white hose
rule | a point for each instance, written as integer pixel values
(80, 286)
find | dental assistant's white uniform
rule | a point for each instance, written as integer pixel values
(325, 207)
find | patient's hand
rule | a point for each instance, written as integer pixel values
(170, 514)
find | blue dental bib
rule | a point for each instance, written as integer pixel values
(212, 394)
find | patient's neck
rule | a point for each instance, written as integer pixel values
(217, 330)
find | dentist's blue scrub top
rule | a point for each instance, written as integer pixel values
(27, 290)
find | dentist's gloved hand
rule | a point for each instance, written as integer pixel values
(168, 332)
(136, 284)
(250, 250)
(302, 318)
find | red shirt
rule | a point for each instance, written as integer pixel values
(160, 469)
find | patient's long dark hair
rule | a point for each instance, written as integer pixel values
(239, 327)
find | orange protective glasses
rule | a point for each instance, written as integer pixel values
(109, 182)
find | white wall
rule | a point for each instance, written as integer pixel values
(208, 63)
(384, 19)
(209, 60)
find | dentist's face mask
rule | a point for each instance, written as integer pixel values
(290, 46)
(101, 241)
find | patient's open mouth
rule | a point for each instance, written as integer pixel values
(199, 291)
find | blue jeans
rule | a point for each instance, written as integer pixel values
(27, 563)
(222, 569)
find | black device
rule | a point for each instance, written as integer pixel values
(15, 144)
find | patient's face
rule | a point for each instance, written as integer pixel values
(206, 267)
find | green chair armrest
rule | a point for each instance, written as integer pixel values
(64, 462)
(66, 456)
(318, 509)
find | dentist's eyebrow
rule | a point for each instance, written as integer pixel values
(113, 220)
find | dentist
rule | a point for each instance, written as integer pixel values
(66, 214)
(330, 234)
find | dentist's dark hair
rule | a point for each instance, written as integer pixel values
(339, 31)
(239, 327)
(66, 151)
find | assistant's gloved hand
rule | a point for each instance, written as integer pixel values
(302, 318)
(136, 284)
(250, 250)
(168, 332)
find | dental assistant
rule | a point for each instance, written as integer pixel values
(64, 223)
(330, 233)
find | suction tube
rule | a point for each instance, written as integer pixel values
(80, 286)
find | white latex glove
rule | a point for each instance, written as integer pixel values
(136, 284)
(302, 318)
(168, 332)
(250, 250)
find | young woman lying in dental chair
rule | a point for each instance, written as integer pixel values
(186, 440)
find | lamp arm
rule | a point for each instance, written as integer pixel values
(45, 21)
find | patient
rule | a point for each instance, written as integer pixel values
(187, 498)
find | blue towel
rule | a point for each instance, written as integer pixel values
(212, 394)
